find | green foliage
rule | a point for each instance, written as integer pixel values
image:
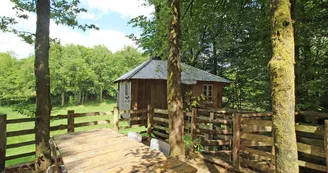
(194, 145)
(311, 36)
(193, 101)
(61, 12)
(227, 38)
(25, 108)
(17, 82)
(232, 39)
(79, 73)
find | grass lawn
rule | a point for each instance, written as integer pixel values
(103, 107)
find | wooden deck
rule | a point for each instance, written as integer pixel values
(107, 151)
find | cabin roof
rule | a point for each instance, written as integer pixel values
(157, 69)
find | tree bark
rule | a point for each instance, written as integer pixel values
(174, 97)
(82, 100)
(62, 98)
(42, 74)
(158, 8)
(215, 59)
(79, 96)
(281, 68)
(101, 95)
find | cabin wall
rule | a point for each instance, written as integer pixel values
(154, 92)
(146, 92)
(197, 90)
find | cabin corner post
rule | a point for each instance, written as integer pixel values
(3, 141)
(116, 114)
(236, 141)
(150, 120)
(326, 143)
(193, 124)
(70, 121)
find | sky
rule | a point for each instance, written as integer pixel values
(111, 16)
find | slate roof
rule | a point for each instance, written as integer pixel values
(157, 69)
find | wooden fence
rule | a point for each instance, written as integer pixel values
(244, 139)
(155, 120)
(253, 141)
(70, 126)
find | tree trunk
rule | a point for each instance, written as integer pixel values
(62, 95)
(85, 97)
(82, 100)
(215, 59)
(174, 99)
(157, 50)
(281, 68)
(100, 94)
(42, 74)
(79, 96)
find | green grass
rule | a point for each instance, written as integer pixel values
(103, 107)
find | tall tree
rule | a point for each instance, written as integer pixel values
(42, 74)
(62, 12)
(174, 97)
(281, 67)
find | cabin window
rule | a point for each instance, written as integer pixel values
(208, 92)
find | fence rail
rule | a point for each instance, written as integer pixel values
(70, 126)
(242, 138)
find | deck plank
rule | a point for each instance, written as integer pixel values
(107, 151)
(88, 146)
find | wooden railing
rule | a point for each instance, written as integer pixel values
(255, 145)
(137, 117)
(70, 126)
(214, 128)
(242, 138)
(155, 120)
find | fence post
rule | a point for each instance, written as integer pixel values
(150, 120)
(207, 136)
(236, 141)
(3, 141)
(70, 121)
(116, 118)
(326, 143)
(193, 124)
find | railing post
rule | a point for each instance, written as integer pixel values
(208, 136)
(236, 141)
(116, 118)
(150, 120)
(3, 141)
(326, 143)
(70, 121)
(193, 124)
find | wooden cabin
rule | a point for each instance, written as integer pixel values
(146, 84)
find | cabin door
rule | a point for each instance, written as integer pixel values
(124, 101)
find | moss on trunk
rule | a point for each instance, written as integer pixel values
(281, 68)
(174, 99)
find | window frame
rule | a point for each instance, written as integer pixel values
(208, 93)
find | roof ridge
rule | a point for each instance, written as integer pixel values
(138, 69)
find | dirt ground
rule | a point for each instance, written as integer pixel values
(201, 165)
(206, 167)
